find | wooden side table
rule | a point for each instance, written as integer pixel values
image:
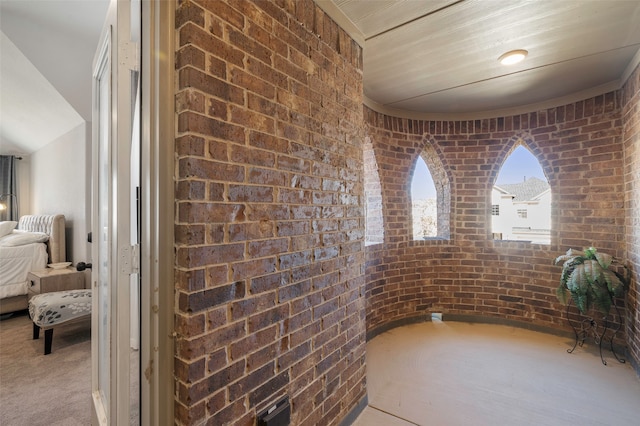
(49, 280)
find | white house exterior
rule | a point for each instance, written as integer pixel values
(522, 211)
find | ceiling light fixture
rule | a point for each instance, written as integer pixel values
(513, 57)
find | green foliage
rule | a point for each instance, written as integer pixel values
(590, 278)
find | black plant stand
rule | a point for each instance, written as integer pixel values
(589, 327)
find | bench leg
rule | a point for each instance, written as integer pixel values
(48, 338)
(36, 331)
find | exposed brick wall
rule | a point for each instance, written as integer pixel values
(631, 120)
(373, 193)
(580, 149)
(269, 217)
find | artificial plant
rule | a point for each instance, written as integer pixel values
(591, 279)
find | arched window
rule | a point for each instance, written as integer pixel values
(521, 200)
(374, 225)
(430, 197)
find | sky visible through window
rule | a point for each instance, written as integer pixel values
(520, 165)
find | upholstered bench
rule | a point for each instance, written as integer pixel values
(48, 310)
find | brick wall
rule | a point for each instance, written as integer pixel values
(373, 193)
(631, 120)
(270, 224)
(580, 149)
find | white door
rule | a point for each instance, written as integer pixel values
(115, 364)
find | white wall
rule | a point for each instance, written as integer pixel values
(540, 212)
(23, 171)
(60, 184)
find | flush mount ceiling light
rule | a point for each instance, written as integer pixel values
(513, 57)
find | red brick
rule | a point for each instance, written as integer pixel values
(198, 301)
(192, 34)
(266, 112)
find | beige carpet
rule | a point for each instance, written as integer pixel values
(52, 390)
(454, 373)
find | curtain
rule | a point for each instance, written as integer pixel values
(8, 187)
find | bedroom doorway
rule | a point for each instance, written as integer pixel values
(115, 176)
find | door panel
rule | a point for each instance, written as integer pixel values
(101, 312)
(115, 382)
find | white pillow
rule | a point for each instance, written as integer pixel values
(21, 238)
(6, 227)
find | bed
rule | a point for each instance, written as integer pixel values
(30, 245)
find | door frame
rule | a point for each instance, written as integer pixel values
(156, 264)
(157, 213)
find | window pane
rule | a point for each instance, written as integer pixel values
(521, 187)
(424, 208)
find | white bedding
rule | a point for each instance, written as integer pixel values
(16, 263)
